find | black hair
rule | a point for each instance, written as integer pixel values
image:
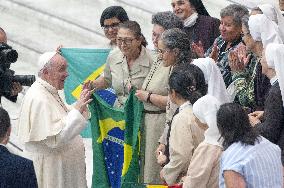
(135, 28)
(188, 81)
(177, 39)
(234, 126)
(167, 20)
(4, 123)
(199, 7)
(114, 11)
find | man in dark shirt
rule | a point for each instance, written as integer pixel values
(16, 171)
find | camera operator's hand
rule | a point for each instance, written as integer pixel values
(16, 88)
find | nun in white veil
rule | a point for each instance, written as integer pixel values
(270, 122)
(203, 170)
(274, 54)
(274, 14)
(263, 29)
(249, 86)
(213, 78)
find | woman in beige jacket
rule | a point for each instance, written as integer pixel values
(186, 85)
(155, 96)
(128, 65)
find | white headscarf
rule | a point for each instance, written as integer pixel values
(205, 109)
(214, 79)
(44, 59)
(274, 54)
(264, 30)
(274, 14)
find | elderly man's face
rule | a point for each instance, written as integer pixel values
(57, 72)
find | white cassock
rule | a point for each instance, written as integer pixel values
(50, 133)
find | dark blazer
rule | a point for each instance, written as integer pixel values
(261, 87)
(272, 126)
(16, 171)
(206, 30)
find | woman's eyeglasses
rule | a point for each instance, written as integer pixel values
(126, 41)
(113, 26)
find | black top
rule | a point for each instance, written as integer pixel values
(261, 88)
(206, 30)
(272, 126)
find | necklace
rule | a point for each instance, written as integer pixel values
(152, 72)
(125, 83)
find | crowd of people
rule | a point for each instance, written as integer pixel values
(212, 92)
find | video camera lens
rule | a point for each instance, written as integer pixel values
(10, 55)
(7, 54)
(24, 80)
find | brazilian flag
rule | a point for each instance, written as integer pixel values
(115, 137)
(83, 65)
(140, 185)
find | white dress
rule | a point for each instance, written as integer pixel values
(50, 133)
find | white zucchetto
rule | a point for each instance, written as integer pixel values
(44, 59)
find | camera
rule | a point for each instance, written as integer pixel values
(7, 76)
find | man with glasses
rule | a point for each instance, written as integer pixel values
(110, 19)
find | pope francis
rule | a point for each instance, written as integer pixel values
(50, 130)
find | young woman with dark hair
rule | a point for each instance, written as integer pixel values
(110, 19)
(235, 128)
(246, 153)
(186, 85)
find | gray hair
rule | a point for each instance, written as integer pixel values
(236, 11)
(167, 20)
(47, 66)
(177, 39)
(245, 20)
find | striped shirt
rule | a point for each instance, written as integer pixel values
(259, 164)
